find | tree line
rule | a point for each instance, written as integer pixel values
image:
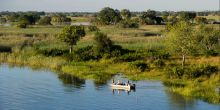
(107, 16)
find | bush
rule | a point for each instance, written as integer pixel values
(21, 25)
(129, 57)
(46, 20)
(128, 24)
(51, 52)
(201, 70)
(93, 28)
(5, 48)
(140, 65)
(192, 71)
(159, 63)
(211, 53)
(158, 54)
(106, 48)
(84, 54)
(103, 43)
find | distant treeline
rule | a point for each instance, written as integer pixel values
(84, 14)
(107, 16)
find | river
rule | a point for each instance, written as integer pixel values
(22, 88)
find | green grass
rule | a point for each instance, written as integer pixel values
(32, 30)
(212, 17)
(142, 39)
(81, 19)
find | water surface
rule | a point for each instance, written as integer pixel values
(27, 89)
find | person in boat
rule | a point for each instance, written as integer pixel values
(128, 83)
(113, 81)
(118, 83)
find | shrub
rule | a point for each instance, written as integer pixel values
(103, 43)
(201, 70)
(93, 28)
(128, 24)
(84, 54)
(159, 63)
(22, 25)
(51, 52)
(129, 57)
(46, 20)
(5, 48)
(140, 65)
(211, 53)
(192, 71)
(158, 54)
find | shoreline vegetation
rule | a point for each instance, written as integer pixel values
(183, 52)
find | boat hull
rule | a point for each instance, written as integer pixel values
(126, 87)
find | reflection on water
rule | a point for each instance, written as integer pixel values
(120, 91)
(71, 80)
(27, 89)
(180, 102)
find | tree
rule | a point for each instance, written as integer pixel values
(72, 34)
(46, 20)
(126, 14)
(104, 44)
(158, 20)
(109, 16)
(180, 39)
(28, 18)
(207, 37)
(150, 17)
(187, 16)
(60, 19)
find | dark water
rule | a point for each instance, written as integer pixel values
(27, 89)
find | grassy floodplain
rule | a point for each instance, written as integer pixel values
(24, 46)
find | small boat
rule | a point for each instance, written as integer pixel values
(123, 86)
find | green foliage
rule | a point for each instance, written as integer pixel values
(159, 63)
(60, 19)
(192, 71)
(140, 65)
(45, 20)
(187, 16)
(211, 53)
(129, 57)
(207, 39)
(150, 18)
(180, 39)
(71, 34)
(84, 54)
(174, 72)
(105, 47)
(201, 70)
(51, 52)
(103, 43)
(126, 14)
(93, 28)
(28, 18)
(109, 16)
(22, 24)
(128, 24)
(5, 48)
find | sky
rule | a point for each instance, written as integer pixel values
(97, 5)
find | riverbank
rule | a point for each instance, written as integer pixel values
(141, 55)
(100, 71)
